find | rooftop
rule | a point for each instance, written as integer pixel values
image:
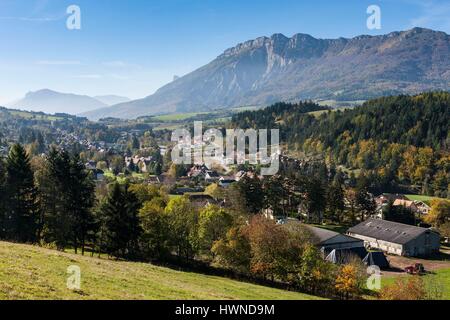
(387, 231)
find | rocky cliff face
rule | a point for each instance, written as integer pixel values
(278, 68)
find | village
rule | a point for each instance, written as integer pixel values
(396, 248)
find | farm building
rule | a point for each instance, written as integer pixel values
(396, 238)
(343, 256)
(328, 240)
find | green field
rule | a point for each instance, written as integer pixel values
(29, 272)
(177, 116)
(438, 277)
(426, 199)
(30, 115)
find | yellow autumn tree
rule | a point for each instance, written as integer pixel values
(412, 288)
(347, 283)
(439, 213)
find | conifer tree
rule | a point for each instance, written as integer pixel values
(121, 229)
(20, 222)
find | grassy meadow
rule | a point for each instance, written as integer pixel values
(30, 272)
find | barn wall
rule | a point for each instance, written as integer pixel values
(424, 245)
(389, 247)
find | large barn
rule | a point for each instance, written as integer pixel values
(397, 238)
(327, 240)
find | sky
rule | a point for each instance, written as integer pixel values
(134, 47)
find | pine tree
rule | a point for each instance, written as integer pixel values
(120, 229)
(54, 183)
(315, 200)
(21, 206)
(80, 203)
(335, 200)
(251, 188)
(2, 199)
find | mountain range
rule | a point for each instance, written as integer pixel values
(50, 101)
(277, 68)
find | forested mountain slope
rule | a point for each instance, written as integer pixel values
(401, 138)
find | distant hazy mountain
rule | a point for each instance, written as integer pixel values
(49, 101)
(266, 70)
(112, 99)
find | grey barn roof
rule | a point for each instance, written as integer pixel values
(387, 231)
(322, 235)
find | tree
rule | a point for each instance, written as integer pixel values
(275, 195)
(439, 213)
(412, 288)
(251, 189)
(135, 144)
(234, 251)
(335, 201)
(315, 200)
(399, 214)
(315, 274)
(213, 223)
(21, 215)
(67, 193)
(155, 230)
(121, 228)
(80, 202)
(348, 281)
(215, 191)
(364, 202)
(267, 241)
(350, 196)
(146, 193)
(444, 229)
(182, 219)
(2, 199)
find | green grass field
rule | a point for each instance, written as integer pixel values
(29, 272)
(426, 199)
(30, 115)
(438, 277)
(177, 116)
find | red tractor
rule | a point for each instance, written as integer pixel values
(417, 269)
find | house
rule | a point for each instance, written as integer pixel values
(197, 171)
(201, 200)
(328, 240)
(423, 208)
(241, 174)
(396, 238)
(139, 162)
(211, 176)
(411, 205)
(225, 182)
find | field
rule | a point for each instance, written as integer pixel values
(426, 199)
(29, 272)
(440, 278)
(177, 116)
(35, 116)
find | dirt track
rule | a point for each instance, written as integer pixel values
(398, 264)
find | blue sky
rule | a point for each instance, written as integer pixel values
(134, 47)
